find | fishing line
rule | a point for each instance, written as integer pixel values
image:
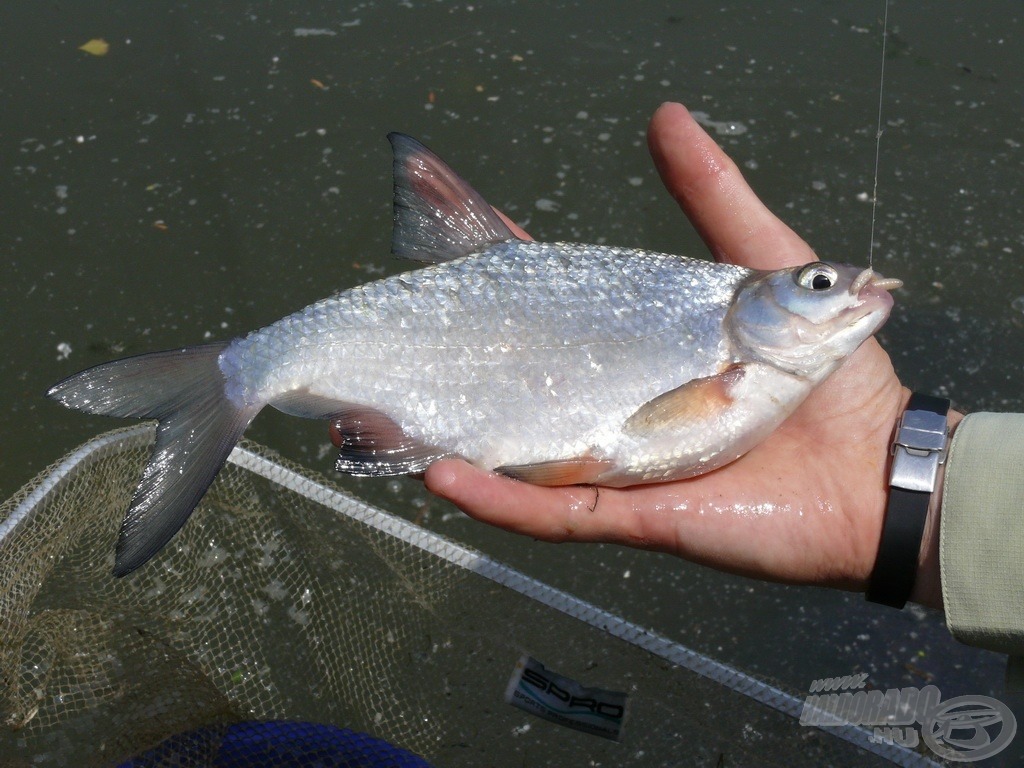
(878, 136)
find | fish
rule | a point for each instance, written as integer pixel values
(552, 363)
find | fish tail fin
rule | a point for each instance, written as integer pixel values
(198, 426)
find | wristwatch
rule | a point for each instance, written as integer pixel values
(918, 450)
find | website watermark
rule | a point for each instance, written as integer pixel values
(962, 729)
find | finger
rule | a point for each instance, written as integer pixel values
(669, 519)
(576, 513)
(729, 217)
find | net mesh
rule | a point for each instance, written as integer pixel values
(284, 598)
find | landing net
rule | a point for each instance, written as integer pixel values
(287, 599)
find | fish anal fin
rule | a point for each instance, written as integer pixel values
(438, 216)
(697, 400)
(584, 470)
(372, 444)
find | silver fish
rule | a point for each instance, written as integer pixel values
(552, 363)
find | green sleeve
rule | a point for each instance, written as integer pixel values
(981, 539)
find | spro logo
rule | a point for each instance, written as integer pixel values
(556, 698)
(543, 682)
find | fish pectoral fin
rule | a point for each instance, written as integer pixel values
(438, 216)
(579, 471)
(374, 445)
(696, 400)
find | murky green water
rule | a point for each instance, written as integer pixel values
(225, 164)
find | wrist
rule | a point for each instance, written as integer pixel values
(928, 583)
(906, 566)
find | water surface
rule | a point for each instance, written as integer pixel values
(225, 164)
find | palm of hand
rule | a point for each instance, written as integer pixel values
(804, 506)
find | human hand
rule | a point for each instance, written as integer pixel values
(805, 506)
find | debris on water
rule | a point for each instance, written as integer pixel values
(62, 195)
(305, 32)
(721, 127)
(546, 205)
(299, 616)
(64, 349)
(1018, 304)
(275, 590)
(213, 556)
(97, 47)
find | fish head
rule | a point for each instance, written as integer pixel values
(805, 320)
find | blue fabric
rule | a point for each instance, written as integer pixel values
(262, 744)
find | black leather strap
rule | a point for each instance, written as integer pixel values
(892, 579)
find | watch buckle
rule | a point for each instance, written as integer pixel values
(918, 450)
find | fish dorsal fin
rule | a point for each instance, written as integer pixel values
(438, 216)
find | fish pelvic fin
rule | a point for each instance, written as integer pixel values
(438, 216)
(197, 428)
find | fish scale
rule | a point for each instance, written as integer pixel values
(553, 363)
(499, 329)
(517, 305)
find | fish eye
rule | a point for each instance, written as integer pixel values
(817, 277)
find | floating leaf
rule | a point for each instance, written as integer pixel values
(97, 47)
(318, 84)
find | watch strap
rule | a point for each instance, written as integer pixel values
(919, 448)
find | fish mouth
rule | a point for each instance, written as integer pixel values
(871, 279)
(873, 300)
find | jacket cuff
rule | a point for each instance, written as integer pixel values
(981, 540)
